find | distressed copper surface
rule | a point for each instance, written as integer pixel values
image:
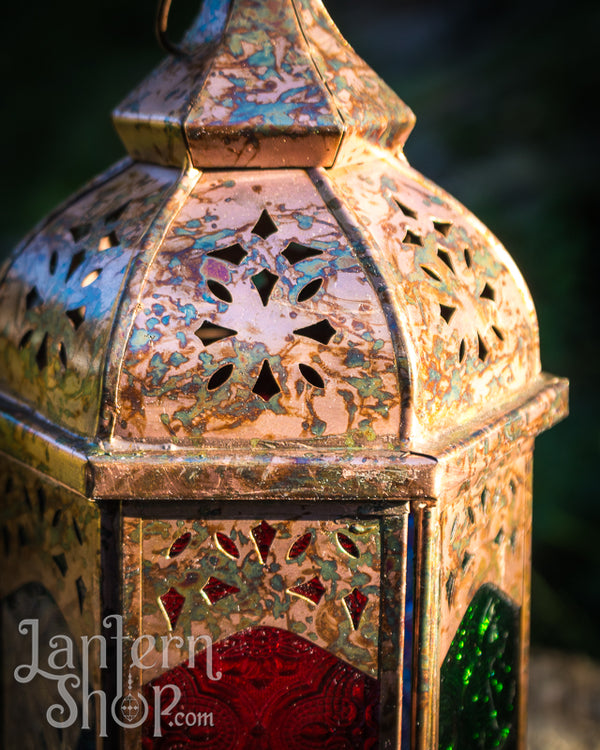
(373, 115)
(150, 119)
(254, 592)
(480, 534)
(468, 324)
(155, 563)
(50, 535)
(50, 558)
(485, 538)
(257, 371)
(166, 388)
(277, 469)
(58, 297)
(425, 680)
(263, 84)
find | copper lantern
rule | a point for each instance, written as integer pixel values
(268, 404)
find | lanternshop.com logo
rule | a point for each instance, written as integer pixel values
(129, 709)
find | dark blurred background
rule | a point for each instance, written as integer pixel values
(505, 95)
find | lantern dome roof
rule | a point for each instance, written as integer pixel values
(196, 295)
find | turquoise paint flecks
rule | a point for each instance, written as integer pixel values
(360, 580)
(355, 358)
(351, 407)
(318, 427)
(189, 312)
(305, 221)
(157, 370)
(388, 184)
(141, 338)
(158, 309)
(210, 241)
(263, 58)
(182, 338)
(270, 114)
(328, 569)
(177, 359)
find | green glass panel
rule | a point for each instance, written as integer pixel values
(478, 695)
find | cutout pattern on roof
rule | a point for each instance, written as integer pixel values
(237, 329)
(58, 297)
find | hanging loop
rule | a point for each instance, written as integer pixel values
(160, 28)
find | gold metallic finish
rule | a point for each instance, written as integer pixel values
(263, 353)
(50, 556)
(261, 593)
(426, 629)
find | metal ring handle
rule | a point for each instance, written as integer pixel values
(160, 28)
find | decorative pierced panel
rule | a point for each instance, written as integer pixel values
(58, 298)
(466, 316)
(50, 554)
(485, 537)
(319, 579)
(332, 589)
(49, 535)
(257, 321)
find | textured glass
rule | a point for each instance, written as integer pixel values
(278, 691)
(355, 604)
(478, 698)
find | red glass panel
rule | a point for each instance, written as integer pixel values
(215, 590)
(172, 603)
(312, 590)
(356, 603)
(277, 692)
(227, 545)
(348, 545)
(300, 546)
(263, 534)
(180, 544)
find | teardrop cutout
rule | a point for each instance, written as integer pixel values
(180, 544)
(310, 290)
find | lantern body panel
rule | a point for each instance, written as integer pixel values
(282, 397)
(473, 560)
(338, 584)
(51, 575)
